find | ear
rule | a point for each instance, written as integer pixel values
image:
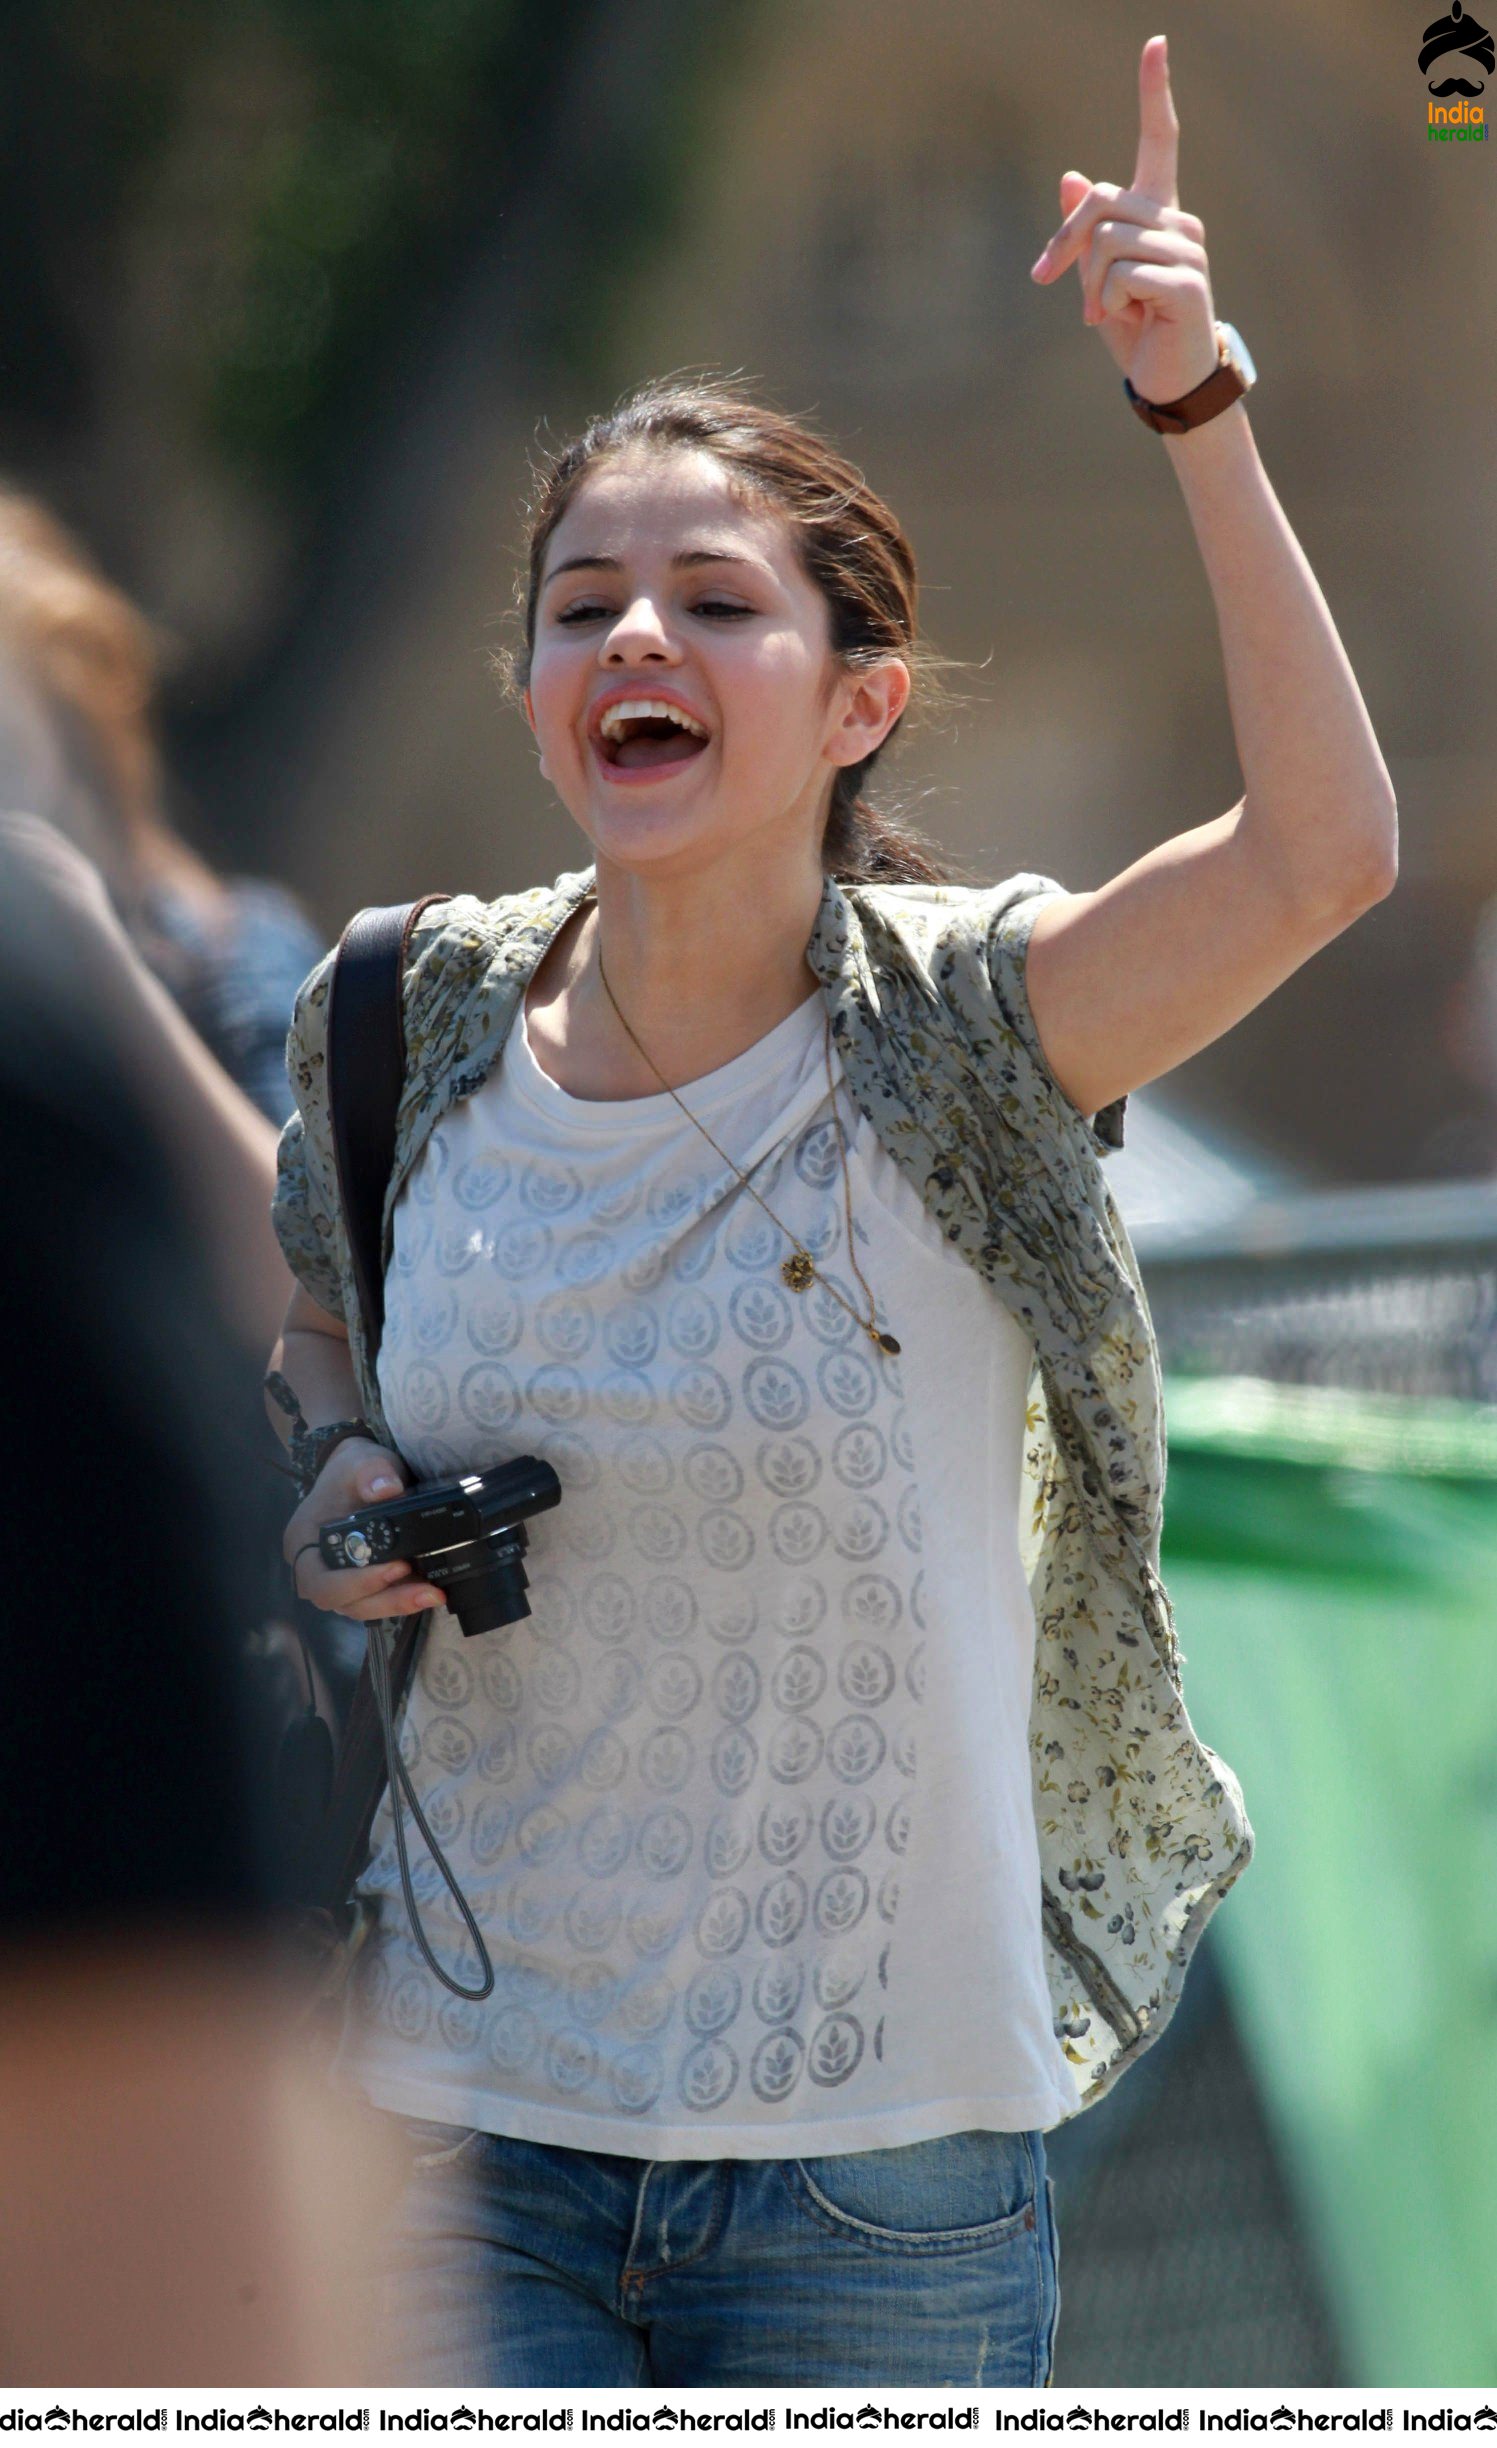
(871, 703)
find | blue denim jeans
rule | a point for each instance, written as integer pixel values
(528, 2265)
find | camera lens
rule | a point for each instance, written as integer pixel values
(490, 1599)
(481, 1577)
(485, 1582)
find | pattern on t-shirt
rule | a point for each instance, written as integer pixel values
(677, 1794)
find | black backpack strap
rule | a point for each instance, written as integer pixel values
(365, 1081)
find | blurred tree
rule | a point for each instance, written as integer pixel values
(230, 252)
(363, 134)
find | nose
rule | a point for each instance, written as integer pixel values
(639, 635)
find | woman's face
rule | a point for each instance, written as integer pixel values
(658, 586)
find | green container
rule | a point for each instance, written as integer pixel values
(1332, 1559)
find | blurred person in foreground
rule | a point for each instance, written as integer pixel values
(193, 975)
(183, 2200)
(833, 1825)
(78, 746)
(219, 1147)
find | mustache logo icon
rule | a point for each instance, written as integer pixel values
(1463, 34)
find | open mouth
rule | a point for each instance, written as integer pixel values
(645, 735)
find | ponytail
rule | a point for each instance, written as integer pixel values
(863, 845)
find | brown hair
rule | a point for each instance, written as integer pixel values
(94, 660)
(851, 546)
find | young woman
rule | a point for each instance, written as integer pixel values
(833, 1824)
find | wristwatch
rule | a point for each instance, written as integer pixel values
(1234, 374)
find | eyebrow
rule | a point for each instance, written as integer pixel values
(680, 560)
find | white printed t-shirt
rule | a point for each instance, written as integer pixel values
(743, 1807)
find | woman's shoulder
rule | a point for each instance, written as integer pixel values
(465, 928)
(455, 940)
(917, 894)
(459, 947)
(968, 945)
(453, 950)
(935, 926)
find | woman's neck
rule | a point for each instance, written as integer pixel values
(699, 969)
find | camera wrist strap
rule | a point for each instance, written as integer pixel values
(400, 1784)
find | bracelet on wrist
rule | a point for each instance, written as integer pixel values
(309, 1448)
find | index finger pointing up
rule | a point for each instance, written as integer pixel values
(1157, 170)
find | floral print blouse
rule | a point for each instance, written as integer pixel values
(1141, 1826)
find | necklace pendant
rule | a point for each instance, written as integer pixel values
(798, 1272)
(885, 1342)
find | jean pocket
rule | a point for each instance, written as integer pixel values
(949, 2195)
(437, 2146)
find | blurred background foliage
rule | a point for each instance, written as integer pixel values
(301, 171)
(231, 243)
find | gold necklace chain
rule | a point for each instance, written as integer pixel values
(799, 1271)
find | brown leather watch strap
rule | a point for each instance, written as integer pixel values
(1195, 407)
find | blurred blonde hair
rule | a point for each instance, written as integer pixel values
(94, 661)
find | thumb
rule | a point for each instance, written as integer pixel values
(1075, 187)
(378, 1479)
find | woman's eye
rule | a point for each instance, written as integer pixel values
(714, 604)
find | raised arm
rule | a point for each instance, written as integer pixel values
(1129, 980)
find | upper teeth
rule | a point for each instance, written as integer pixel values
(633, 709)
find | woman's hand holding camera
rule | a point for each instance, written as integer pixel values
(357, 1472)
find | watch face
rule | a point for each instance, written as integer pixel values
(1237, 350)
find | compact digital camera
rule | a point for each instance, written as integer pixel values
(465, 1536)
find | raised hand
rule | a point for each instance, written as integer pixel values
(1141, 261)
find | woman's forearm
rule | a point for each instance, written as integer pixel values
(224, 1148)
(319, 1370)
(1317, 797)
